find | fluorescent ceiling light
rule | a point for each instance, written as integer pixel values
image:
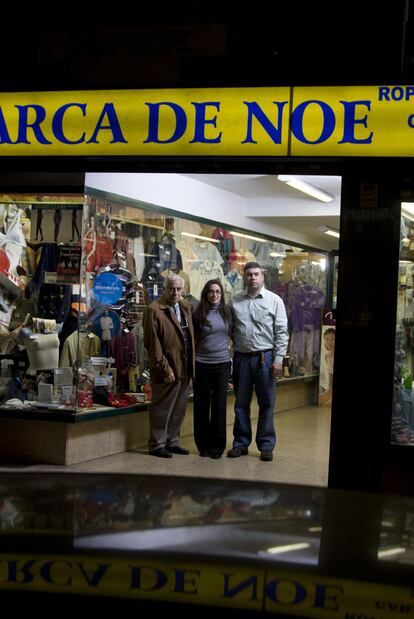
(248, 236)
(334, 233)
(277, 550)
(329, 231)
(390, 552)
(133, 221)
(197, 236)
(294, 182)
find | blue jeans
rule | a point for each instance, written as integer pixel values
(248, 372)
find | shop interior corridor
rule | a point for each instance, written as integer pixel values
(301, 455)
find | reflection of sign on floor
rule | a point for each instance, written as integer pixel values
(68, 267)
(56, 223)
(268, 592)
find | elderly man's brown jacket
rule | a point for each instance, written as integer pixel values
(164, 341)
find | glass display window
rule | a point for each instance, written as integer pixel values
(402, 425)
(40, 260)
(129, 249)
(77, 273)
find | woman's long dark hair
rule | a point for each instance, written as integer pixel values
(203, 308)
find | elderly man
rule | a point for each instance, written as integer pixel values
(169, 340)
(260, 343)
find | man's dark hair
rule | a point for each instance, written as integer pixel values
(251, 265)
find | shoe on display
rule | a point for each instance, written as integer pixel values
(161, 453)
(178, 450)
(266, 456)
(236, 452)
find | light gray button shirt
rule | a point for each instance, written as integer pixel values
(260, 323)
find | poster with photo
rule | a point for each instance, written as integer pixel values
(326, 369)
(56, 223)
(45, 377)
(68, 266)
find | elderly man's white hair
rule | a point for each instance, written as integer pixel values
(173, 277)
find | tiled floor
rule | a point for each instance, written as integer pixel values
(301, 455)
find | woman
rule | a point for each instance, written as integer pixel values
(212, 326)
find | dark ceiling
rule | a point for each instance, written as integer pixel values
(208, 44)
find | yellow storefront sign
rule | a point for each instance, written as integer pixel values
(371, 121)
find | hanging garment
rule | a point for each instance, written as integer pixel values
(225, 246)
(13, 241)
(88, 344)
(123, 351)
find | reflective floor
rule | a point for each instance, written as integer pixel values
(301, 455)
(286, 549)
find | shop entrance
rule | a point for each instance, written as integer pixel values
(211, 226)
(237, 218)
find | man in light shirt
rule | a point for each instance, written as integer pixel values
(260, 343)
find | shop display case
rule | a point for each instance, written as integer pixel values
(40, 260)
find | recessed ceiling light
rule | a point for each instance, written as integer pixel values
(329, 231)
(294, 182)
